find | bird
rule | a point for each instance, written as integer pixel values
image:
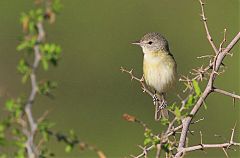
(159, 69)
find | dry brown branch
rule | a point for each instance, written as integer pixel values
(131, 118)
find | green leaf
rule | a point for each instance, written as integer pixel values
(68, 148)
(51, 53)
(16, 131)
(190, 101)
(196, 88)
(44, 64)
(164, 121)
(39, 15)
(44, 127)
(14, 106)
(31, 27)
(177, 112)
(22, 45)
(56, 6)
(2, 127)
(45, 88)
(2, 140)
(27, 43)
(20, 153)
(147, 133)
(10, 105)
(23, 67)
(166, 147)
(147, 141)
(171, 107)
(156, 140)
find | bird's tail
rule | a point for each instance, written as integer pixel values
(160, 110)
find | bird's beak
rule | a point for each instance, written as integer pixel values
(136, 43)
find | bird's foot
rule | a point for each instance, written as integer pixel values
(163, 104)
(155, 99)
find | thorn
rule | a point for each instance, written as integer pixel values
(232, 135)
(144, 89)
(234, 100)
(216, 72)
(121, 69)
(131, 71)
(201, 137)
(224, 150)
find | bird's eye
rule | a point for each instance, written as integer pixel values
(150, 42)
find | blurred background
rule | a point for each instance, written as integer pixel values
(93, 93)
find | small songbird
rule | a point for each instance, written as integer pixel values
(159, 69)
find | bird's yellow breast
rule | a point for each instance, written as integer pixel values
(159, 70)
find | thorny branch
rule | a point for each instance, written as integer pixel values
(169, 133)
(209, 73)
(224, 146)
(140, 80)
(220, 55)
(209, 37)
(226, 93)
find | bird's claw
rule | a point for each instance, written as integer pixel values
(155, 99)
(163, 104)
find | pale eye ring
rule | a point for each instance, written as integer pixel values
(150, 42)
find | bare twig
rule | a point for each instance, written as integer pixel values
(226, 93)
(201, 140)
(223, 41)
(206, 27)
(224, 146)
(225, 152)
(131, 118)
(158, 153)
(44, 115)
(144, 152)
(204, 146)
(140, 80)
